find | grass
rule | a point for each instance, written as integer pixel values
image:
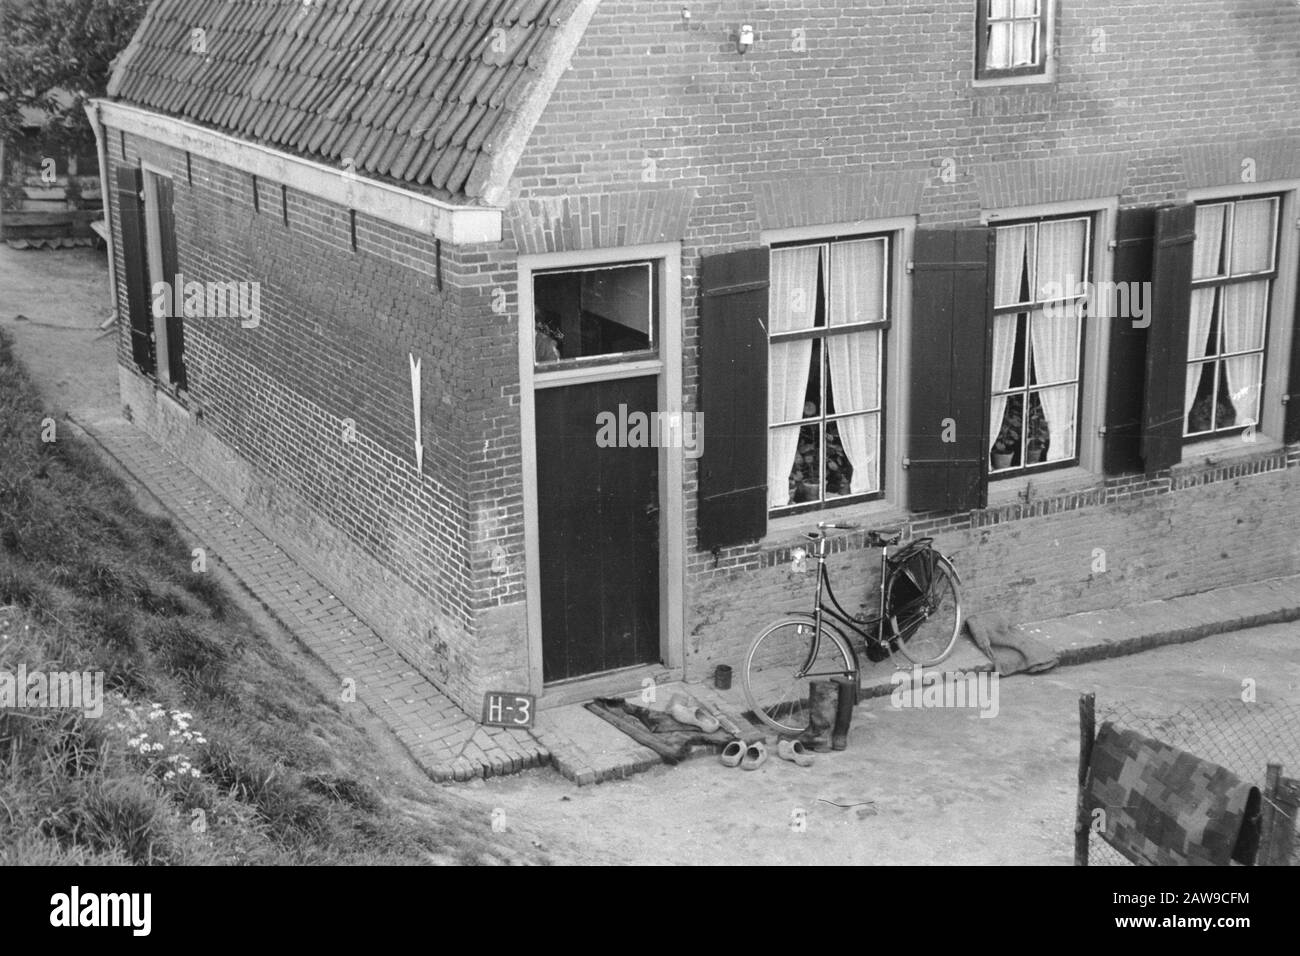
(213, 747)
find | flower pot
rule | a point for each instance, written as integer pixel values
(1034, 455)
(1001, 460)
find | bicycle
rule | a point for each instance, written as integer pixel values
(919, 602)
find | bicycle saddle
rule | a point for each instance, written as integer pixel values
(884, 537)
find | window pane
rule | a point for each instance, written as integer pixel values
(789, 377)
(1055, 334)
(793, 295)
(782, 444)
(1008, 438)
(1245, 307)
(1016, 248)
(1253, 228)
(1051, 424)
(1025, 43)
(855, 372)
(852, 456)
(1207, 253)
(999, 47)
(1200, 402)
(805, 477)
(857, 282)
(1061, 257)
(590, 312)
(1000, 8)
(1239, 387)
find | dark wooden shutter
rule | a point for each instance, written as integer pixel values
(950, 357)
(1135, 232)
(733, 398)
(1166, 358)
(171, 269)
(1291, 428)
(130, 182)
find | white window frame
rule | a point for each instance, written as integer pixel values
(1280, 328)
(893, 434)
(1046, 77)
(1095, 354)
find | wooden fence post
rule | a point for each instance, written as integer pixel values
(1087, 734)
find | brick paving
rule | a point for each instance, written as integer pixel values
(450, 745)
(446, 742)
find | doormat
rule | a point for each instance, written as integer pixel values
(658, 730)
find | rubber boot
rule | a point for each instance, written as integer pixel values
(845, 702)
(822, 696)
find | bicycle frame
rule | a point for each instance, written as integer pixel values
(835, 611)
(827, 606)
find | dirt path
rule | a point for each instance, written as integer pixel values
(947, 787)
(63, 296)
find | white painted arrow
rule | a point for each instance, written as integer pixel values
(415, 398)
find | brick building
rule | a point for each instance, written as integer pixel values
(1021, 274)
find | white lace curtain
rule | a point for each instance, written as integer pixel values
(1245, 305)
(1048, 256)
(1055, 335)
(856, 295)
(793, 304)
(1011, 43)
(1011, 271)
(1207, 253)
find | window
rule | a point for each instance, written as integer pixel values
(598, 313)
(828, 311)
(160, 264)
(1234, 263)
(1040, 290)
(1011, 38)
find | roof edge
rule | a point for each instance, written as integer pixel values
(418, 212)
(491, 180)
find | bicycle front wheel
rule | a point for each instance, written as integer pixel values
(926, 628)
(779, 665)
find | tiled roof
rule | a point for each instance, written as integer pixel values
(423, 92)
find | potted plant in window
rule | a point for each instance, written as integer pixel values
(1039, 434)
(1008, 440)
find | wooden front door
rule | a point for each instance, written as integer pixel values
(598, 531)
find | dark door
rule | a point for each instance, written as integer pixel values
(598, 530)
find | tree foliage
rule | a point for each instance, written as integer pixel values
(57, 54)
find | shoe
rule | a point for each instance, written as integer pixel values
(846, 700)
(794, 752)
(823, 696)
(732, 753)
(686, 711)
(755, 756)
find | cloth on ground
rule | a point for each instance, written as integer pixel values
(1012, 651)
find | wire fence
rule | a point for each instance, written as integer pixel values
(1242, 737)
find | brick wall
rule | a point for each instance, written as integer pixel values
(306, 421)
(1149, 100)
(666, 132)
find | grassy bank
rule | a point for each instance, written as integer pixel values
(212, 746)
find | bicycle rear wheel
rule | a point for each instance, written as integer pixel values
(777, 671)
(926, 628)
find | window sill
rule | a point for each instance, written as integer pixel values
(789, 529)
(1013, 82)
(173, 401)
(1224, 450)
(1059, 482)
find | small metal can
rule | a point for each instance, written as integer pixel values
(722, 677)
